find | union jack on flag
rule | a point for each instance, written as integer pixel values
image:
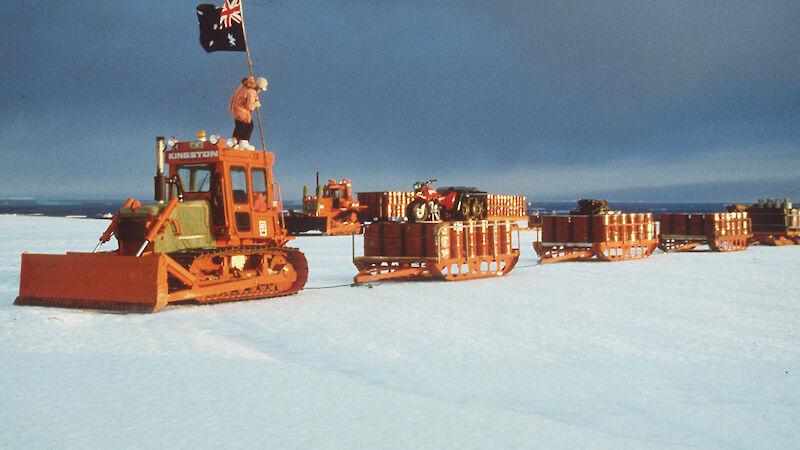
(221, 28)
(231, 12)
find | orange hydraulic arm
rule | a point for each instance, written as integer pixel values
(112, 227)
(159, 226)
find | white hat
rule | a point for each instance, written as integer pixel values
(261, 82)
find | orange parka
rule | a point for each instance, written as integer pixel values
(244, 101)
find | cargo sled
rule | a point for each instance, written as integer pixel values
(722, 232)
(607, 237)
(775, 221)
(444, 250)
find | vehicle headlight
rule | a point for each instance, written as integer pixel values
(214, 138)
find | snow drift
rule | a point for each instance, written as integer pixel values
(677, 350)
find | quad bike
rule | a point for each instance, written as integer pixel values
(445, 204)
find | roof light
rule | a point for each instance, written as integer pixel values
(172, 142)
(201, 135)
(214, 138)
(231, 142)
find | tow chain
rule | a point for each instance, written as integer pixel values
(365, 284)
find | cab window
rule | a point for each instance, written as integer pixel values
(259, 179)
(334, 194)
(239, 185)
(195, 177)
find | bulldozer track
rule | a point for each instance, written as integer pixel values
(294, 257)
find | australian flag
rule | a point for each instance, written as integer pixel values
(221, 27)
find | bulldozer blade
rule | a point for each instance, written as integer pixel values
(301, 224)
(105, 281)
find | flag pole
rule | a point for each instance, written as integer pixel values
(250, 66)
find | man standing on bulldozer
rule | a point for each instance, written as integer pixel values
(243, 102)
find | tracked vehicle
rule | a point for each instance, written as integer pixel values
(214, 234)
(332, 211)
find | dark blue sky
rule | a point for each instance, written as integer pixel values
(625, 100)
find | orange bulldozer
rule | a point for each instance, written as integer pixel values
(214, 234)
(333, 211)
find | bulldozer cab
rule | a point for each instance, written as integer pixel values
(335, 194)
(332, 196)
(237, 184)
(339, 193)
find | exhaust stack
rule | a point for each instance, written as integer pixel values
(160, 179)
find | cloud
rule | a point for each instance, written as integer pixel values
(467, 90)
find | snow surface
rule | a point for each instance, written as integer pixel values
(680, 350)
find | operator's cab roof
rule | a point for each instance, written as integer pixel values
(204, 152)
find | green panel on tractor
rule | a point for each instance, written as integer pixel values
(194, 230)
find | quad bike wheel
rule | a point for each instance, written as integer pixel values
(417, 211)
(478, 210)
(464, 209)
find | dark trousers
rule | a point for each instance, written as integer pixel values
(242, 131)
